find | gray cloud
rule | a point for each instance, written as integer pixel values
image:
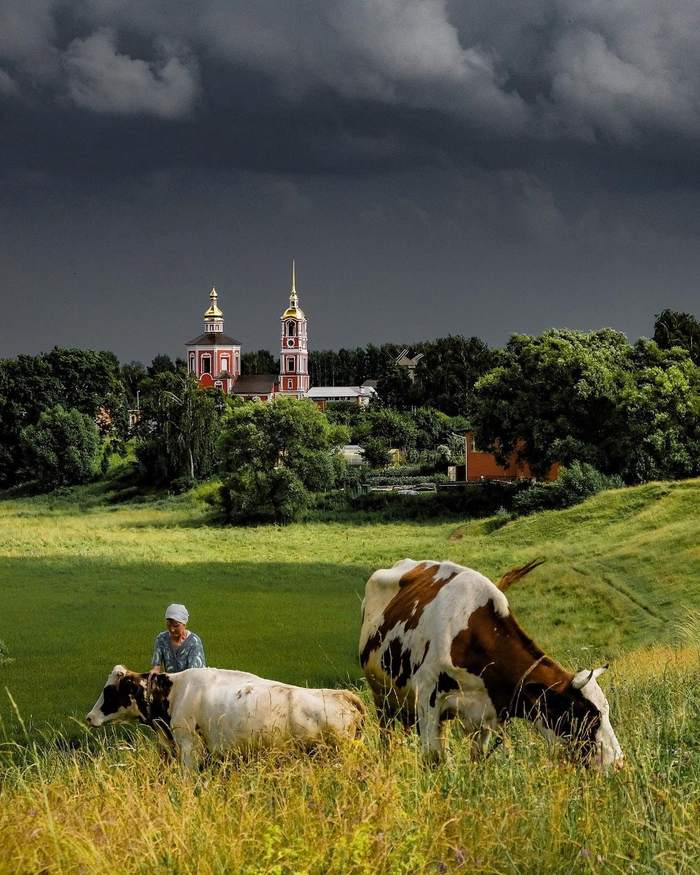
(100, 78)
(597, 72)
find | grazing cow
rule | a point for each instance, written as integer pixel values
(439, 641)
(228, 710)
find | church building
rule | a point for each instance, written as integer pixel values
(215, 358)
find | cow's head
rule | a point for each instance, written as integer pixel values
(120, 698)
(580, 713)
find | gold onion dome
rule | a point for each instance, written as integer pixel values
(293, 310)
(213, 312)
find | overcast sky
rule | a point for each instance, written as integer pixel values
(480, 167)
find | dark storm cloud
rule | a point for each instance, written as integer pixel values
(358, 84)
(484, 167)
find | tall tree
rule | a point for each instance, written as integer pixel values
(63, 448)
(555, 398)
(179, 428)
(272, 454)
(260, 362)
(673, 328)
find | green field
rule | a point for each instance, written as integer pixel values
(84, 586)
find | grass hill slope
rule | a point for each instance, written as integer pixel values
(84, 586)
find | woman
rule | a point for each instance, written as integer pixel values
(177, 648)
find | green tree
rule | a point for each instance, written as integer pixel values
(273, 454)
(63, 448)
(133, 376)
(260, 362)
(659, 416)
(179, 429)
(161, 364)
(556, 398)
(673, 328)
(394, 428)
(376, 452)
(449, 370)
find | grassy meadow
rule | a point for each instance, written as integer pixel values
(84, 585)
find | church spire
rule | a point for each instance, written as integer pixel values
(294, 309)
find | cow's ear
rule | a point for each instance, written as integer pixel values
(597, 672)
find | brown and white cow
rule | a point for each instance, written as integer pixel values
(438, 640)
(226, 710)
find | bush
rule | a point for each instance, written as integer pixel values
(376, 452)
(575, 483)
(63, 448)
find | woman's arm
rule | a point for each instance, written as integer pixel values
(157, 658)
(195, 658)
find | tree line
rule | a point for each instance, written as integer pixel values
(628, 410)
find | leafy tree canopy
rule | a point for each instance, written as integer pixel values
(591, 397)
(271, 454)
(63, 448)
(673, 328)
(179, 429)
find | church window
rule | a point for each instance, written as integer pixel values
(290, 383)
(290, 364)
(290, 329)
(192, 363)
(206, 364)
(224, 363)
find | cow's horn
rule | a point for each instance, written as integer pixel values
(578, 683)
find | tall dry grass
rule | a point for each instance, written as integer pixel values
(111, 805)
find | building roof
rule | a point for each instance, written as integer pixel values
(254, 384)
(321, 392)
(213, 338)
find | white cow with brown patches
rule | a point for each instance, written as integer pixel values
(438, 640)
(227, 710)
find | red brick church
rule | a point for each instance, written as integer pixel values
(215, 358)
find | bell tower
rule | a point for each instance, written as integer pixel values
(294, 351)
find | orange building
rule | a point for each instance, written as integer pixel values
(482, 465)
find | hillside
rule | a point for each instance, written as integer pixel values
(84, 585)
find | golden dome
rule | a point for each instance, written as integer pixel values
(213, 312)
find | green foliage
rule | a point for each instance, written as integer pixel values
(449, 370)
(271, 454)
(85, 380)
(63, 448)
(673, 328)
(178, 431)
(260, 362)
(568, 396)
(574, 484)
(444, 378)
(376, 452)
(161, 364)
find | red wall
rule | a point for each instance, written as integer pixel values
(483, 466)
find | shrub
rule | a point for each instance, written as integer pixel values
(63, 448)
(376, 452)
(575, 483)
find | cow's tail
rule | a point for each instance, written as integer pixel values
(514, 574)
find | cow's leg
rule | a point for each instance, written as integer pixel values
(185, 743)
(429, 727)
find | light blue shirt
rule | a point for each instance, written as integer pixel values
(190, 654)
